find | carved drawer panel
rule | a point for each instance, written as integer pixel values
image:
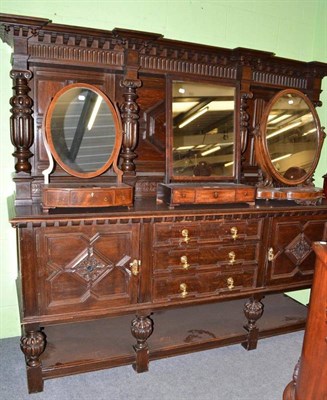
(216, 231)
(205, 284)
(290, 255)
(204, 257)
(87, 268)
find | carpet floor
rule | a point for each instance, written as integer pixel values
(227, 373)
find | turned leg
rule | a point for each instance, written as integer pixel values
(253, 310)
(32, 345)
(142, 327)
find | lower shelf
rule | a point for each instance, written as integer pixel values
(106, 343)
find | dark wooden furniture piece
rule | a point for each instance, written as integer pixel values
(310, 375)
(106, 286)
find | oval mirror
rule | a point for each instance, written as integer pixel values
(83, 130)
(291, 138)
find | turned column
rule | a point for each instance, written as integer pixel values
(130, 116)
(32, 345)
(253, 310)
(21, 120)
(141, 328)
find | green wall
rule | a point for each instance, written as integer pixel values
(290, 28)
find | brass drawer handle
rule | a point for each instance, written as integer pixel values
(215, 195)
(230, 283)
(233, 231)
(135, 267)
(271, 254)
(184, 262)
(183, 289)
(185, 236)
(231, 256)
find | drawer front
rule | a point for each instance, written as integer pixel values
(215, 196)
(183, 196)
(87, 197)
(216, 231)
(204, 285)
(205, 257)
(92, 197)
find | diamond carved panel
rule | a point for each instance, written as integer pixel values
(298, 249)
(91, 267)
(84, 270)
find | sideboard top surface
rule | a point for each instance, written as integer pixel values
(147, 209)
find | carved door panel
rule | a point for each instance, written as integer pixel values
(87, 267)
(290, 256)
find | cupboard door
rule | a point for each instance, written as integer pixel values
(290, 255)
(87, 267)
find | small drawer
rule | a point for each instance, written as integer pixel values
(227, 231)
(54, 195)
(204, 258)
(123, 196)
(231, 231)
(246, 194)
(92, 197)
(180, 234)
(217, 195)
(203, 285)
(183, 196)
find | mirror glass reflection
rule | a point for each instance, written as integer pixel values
(292, 136)
(82, 129)
(203, 129)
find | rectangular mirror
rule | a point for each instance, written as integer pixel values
(203, 131)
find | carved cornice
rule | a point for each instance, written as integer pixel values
(16, 25)
(70, 44)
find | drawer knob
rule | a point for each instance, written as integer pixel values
(215, 195)
(271, 254)
(233, 231)
(185, 236)
(230, 283)
(184, 262)
(135, 267)
(231, 256)
(183, 289)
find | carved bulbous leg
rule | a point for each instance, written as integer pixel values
(32, 345)
(141, 328)
(253, 310)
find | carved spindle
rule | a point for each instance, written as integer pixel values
(253, 310)
(141, 329)
(245, 118)
(21, 121)
(130, 115)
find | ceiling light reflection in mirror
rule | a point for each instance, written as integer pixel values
(203, 129)
(291, 136)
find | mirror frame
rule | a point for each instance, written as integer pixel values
(170, 177)
(261, 147)
(112, 158)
